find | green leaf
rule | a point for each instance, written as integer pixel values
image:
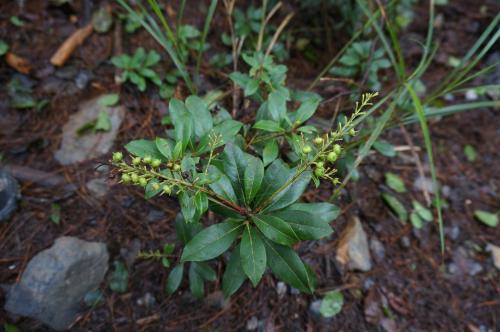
(55, 213)
(221, 185)
(188, 207)
(268, 125)
(143, 148)
(252, 179)
(233, 275)
(200, 115)
(470, 152)
(331, 304)
(234, 162)
(152, 58)
(183, 130)
(174, 279)
(416, 221)
(118, 279)
(253, 255)
(196, 282)
(384, 148)
(305, 225)
(275, 229)
(164, 146)
(275, 176)
(103, 122)
(395, 182)
(11, 328)
(186, 231)
(306, 110)
(323, 212)
(396, 206)
(277, 105)
(487, 218)
(4, 47)
(422, 211)
(270, 152)
(291, 193)
(288, 266)
(212, 241)
(251, 87)
(109, 99)
(239, 78)
(201, 202)
(205, 271)
(102, 20)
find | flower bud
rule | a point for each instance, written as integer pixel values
(155, 186)
(134, 177)
(306, 149)
(147, 160)
(332, 157)
(177, 167)
(143, 182)
(117, 156)
(320, 164)
(167, 189)
(319, 171)
(352, 132)
(126, 178)
(136, 161)
(156, 163)
(337, 149)
(318, 140)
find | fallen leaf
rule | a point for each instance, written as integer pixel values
(20, 64)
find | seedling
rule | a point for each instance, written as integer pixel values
(138, 67)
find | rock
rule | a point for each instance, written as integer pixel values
(422, 183)
(252, 324)
(148, 300)
(97, 187)
(495, 254)
(314, 309)
(56, 280)
(9, 194)
(377, 249)
(155, 215)
(353, 251)
(405, 242)
(462, 264)
(77, 148)
(281, 289)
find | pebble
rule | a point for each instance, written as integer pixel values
(495, 254)
(57, 279)
(281, 289)
(252, 324)
(422, 183)
(98, 188)
(405, 241)
(377, 249)
(147, 300)
(352, 251)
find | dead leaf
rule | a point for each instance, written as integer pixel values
(20, 64)
(70, 44)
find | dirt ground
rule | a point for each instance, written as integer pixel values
(411, 283)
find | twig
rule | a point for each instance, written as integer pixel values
(70, 44)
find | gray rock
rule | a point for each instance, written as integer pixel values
(353, 251)
(9, 193)
(422, 183)
(495, 254)
(56, 280)
(252, 323)
(377, 249)
(281, 289)
(97, 187)
(77, 148)
(155, 215)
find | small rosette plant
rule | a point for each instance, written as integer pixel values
(213, 162)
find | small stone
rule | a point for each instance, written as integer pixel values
(377, 249)
(368, 283)
(281, 289)
(471, 95)
(75, 147)
(252, 324)
(353, 251)
(82, 79)
(422, 183)
(155, 215)
(56, 280)
(495, 254)
(314, 308)
(405, 242)
(9, 194)
(147, 300)
(294, 291)
(97, 187)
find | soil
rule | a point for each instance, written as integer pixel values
(411, 283)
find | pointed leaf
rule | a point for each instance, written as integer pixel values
(275, 229)
(200, 115)
(212, 241)
(221, 185)
(291, 193)
(233, 276)
(288, 266)
(324, 212)
(196, 282)
(165, 147)
(305, 225)
(253, 254)
(174, 279)
(254, 173)
(144, 148)
(270, 152)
